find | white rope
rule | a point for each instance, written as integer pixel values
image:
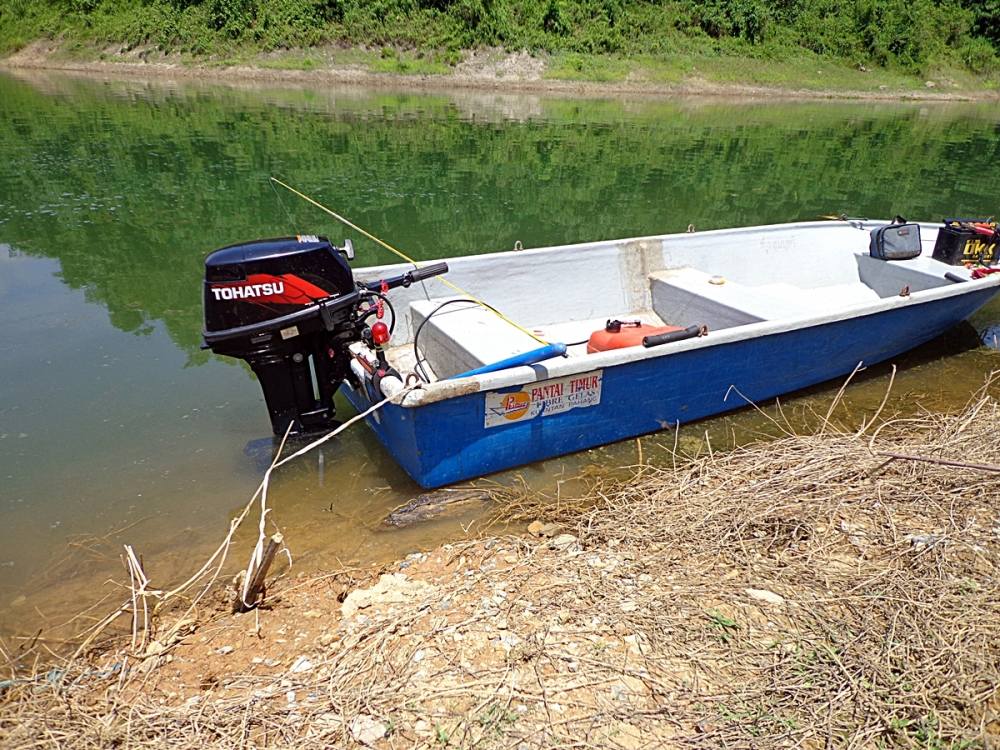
(258, 552)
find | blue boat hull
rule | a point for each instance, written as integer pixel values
(445, 442)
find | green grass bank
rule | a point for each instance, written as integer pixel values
(822, 45)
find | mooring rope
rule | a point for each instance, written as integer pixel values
(257, 555)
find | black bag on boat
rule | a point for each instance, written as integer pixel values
(895, 241)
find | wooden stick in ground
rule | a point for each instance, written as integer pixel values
(256, 588)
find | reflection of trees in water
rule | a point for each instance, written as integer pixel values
(129, 185)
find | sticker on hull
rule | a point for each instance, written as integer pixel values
(544, 398)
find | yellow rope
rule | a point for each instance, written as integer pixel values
(408, 259)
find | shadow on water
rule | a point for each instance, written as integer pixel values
(116, 427)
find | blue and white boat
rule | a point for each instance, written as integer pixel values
(762, 311)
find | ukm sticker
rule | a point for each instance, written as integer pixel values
(544, 398)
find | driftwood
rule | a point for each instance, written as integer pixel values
(244, 603)
(433, 504)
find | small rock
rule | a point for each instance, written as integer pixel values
(392, 588)
(563, 542)
(629, 606)
(508, 641)
(326, 639)
(367, 730)
(418, 655)
(301, 664)
(930, 84)
(290, 696)
(763, 595)
(223, 650)
(312, 614)
(645, 578)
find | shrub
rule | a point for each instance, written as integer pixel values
(743, 19)
(979, 55)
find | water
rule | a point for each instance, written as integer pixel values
(114, 425)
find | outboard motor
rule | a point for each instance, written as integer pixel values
(282, 304)
(290, 307)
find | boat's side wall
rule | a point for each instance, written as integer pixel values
(447, 441)
(806, 255)
(596, 279)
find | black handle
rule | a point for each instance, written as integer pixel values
(404, 280)
(435, 269)
(665, 338)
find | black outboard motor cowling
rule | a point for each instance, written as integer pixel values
(287, 307)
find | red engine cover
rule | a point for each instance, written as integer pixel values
(627, 335)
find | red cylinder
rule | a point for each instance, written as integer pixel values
(380, 333)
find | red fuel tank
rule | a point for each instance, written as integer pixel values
(618, 334)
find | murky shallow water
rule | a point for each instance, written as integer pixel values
(115, 427)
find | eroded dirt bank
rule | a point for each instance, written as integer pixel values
(837, 589)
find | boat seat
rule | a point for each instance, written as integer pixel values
(464, 336)
(688, 294)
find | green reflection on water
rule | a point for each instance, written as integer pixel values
(129, 185)
(122, 187)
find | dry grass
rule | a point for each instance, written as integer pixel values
(804, 592)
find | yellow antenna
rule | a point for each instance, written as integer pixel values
(407, 258)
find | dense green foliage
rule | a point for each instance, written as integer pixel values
(908, 34)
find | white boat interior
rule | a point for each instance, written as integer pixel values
(722, 279)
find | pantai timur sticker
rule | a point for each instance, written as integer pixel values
(544, 398)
